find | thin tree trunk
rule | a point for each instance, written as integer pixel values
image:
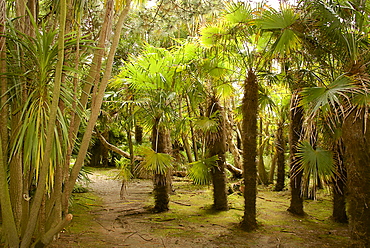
(280, 151)
(3, 83)
(339, 187)
(193, 138)
(40, 191)
(15, 177)
(261, 165)
(230, 141)
(9, 227)
(273, 168)
(217, 147)
(96, 104)
(296, 131)
(92, 79)
(249, 129)
(187, 148)
(356, 137)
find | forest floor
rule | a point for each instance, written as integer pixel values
(102, 219)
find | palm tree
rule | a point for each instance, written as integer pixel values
(346, 42)
(152, 76)
(216, 146)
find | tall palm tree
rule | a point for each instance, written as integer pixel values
(341, 33)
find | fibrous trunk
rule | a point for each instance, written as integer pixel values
(249, 135)
(280, 150)
(356, 137)
(216, 142)
(161, 144)
(296, 131)
(339, 187)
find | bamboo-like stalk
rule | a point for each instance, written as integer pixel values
(40, 191)
(9, 226)
(96, 103)
(90, 81)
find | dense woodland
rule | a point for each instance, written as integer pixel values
(215, 90)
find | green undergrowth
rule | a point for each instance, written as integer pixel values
(83, 204)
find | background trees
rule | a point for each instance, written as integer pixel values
(186, 85)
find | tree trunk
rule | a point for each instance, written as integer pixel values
(339, 186)
(187, 148)
(356, 137)
(161, 144)
(40, 191)
(261, 165)
(296, 132)
(216, 142)
(249, 135)
(9, 227)
(138, 134)
(273, 168)
(232, 146)
(193, 138)
(96, 104)
(92, 79)
(280, 151)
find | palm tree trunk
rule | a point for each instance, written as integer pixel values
(217, 147)
(233, 148)
(187, 147)
(160, 144)
(280, 151)
(249, 129)
(296, 131)
(193, 138)
(356, 137)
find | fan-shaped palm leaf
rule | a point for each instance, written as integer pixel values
(157, 163)
(315, 163)
(326, 97)
(200, 171)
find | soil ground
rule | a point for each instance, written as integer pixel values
(102, 219)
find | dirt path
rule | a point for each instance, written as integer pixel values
(191, 224)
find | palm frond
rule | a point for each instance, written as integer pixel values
(239, 13)
(326, 97)
(155, 162)
(316, 164)
(200, 171)
(207, 124)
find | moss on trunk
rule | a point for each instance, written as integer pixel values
(249, 135)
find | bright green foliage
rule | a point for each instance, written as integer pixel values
(326, 98)
(281, 23)
(156, 162)
(125, 172)
(315, 162)
(238, 13)
(200, 171)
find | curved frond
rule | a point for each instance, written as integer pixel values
(200, 171)
(315, 163)
(155, 162)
